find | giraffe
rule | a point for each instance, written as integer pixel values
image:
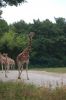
(11, 61)
(23, 57)
(4, 63)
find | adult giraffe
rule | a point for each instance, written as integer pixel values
(23, 57)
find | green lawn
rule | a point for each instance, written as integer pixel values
(57, 70)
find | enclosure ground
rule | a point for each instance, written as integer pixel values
(38, 78)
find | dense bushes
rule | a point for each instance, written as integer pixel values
(48, 46)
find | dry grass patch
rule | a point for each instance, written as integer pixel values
(22, 91)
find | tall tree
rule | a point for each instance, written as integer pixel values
(10, 2)
(60, 21)
(4, 3)
(20, 27)
(0, 13)
(3, 27)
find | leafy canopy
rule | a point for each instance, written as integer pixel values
(10, 2)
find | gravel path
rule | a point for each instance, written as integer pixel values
(36, 77)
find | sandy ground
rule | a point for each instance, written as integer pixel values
(36, 77)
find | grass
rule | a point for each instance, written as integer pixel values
(22, 91)
(57, 70)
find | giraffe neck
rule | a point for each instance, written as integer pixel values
(30, 44)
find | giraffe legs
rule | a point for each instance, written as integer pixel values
(5, 71)
(2, 67)
(19, 73)
(8, 67)
(20, 70)
(27, 71)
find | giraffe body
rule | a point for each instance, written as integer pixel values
(6, 62)
(23, 57)
(10, 61)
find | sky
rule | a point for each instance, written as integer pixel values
(35, 9)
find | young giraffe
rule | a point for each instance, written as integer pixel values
(4, 63)
(23, 57)
(11, 62)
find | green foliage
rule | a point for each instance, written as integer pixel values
(22, 41)
(3, 27)
(48, 45)
(0, 13)
(60, 21)
(10, 41)
(10, 2)
(20, 27)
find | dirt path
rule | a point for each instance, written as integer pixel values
(36, 77)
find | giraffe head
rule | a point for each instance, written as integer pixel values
(31, 34)
(5, 54)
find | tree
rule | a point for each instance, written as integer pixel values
(3, 27)
(20, 27)
(60, 21)
(0, 13)
(4, 3)
(10, 2)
